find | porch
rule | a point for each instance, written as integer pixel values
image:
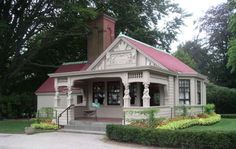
(111, 93)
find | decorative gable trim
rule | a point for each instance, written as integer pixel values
(121, 52)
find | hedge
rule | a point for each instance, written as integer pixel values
(228, 115)
(224, 98)
(172, 138)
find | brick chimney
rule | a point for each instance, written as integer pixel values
(101, 36)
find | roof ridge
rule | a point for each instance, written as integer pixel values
(123, 35)
(71, 63)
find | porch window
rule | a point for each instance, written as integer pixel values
(184, 91)
(199, 92)
(113, 93)
(98, 92)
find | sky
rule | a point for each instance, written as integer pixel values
(197, 8)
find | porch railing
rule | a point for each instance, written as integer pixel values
(162, 112)
(67, 117)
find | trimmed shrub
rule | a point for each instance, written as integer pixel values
(228, 115)
(224, 98)
(172, 138)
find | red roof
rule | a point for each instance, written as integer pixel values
(165, 59)
(48, 85)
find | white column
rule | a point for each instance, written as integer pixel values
(146, 97)
(69, 97)
(56, 97)
(126, 95)
(192, 91)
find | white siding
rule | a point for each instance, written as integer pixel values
(45, 101)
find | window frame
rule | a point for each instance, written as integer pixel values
(96, 91)
(199, 93)
(113, 92)
(182, 89)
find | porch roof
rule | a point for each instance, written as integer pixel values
(48, 85)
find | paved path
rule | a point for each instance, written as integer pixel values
(61, 140)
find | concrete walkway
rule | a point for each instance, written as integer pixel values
(61, 140)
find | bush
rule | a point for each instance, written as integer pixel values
(18, 106)
(224, 98)
(45, 126)
(172, 138)
(209, 108)
(188, 122)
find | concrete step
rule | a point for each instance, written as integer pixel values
(86, 126)
(82, 131)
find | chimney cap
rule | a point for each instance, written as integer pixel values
(103, 15)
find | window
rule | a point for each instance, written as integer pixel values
(133, 93)
(79, 99)
(154, 94)
(98, 92)
(184, 91)
(113, 93)
(199, 92)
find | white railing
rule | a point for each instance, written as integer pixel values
(135, 75)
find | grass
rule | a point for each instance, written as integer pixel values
(226, 124)
(14, 126)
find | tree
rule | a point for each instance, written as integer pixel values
(26, 29)
(232, 44)
(185, 57)
(198, 53)
(215, 25)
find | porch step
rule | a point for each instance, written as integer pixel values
(86, 126)
(82, 131)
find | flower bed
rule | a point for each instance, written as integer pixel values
(188, 122)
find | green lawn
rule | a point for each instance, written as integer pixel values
(13, 126)
(225, 124)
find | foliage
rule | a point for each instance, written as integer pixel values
(18, 106)
(144, 123)
(209, 108)
(188, 122)
(215, 25)
(173, 138)
(222, 97)
(186, 58)
(146, 20)
(45, 126)
(232, 55)
(197, 55)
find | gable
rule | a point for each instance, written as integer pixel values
(122, 55)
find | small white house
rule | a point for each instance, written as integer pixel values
(121, 73)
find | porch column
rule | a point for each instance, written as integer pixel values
(126, 95)
(146, 97)
(56, 97)
(69, 98)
